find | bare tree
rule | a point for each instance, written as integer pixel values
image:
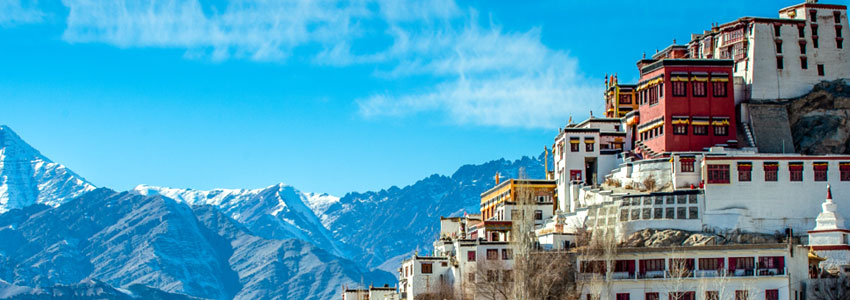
(836, 288)
(678, 271)
(441, 291)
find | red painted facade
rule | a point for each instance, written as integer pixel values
(708, 100)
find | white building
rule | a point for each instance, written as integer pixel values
(781, 58)
(759, 271)
(372, 293)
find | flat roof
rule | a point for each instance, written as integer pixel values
(518, 182)
(686, 62)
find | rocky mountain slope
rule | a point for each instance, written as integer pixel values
(27, 177)
(275, 212)
(125, 240)
(396, 221)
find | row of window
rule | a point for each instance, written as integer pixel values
(775, 263)
(588, 144)
(804, 64)
(492, 254)
(720, 173)
(657, 213)
(682, 129)
(772, 294)
(699, 88)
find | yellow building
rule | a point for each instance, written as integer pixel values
(619, 98)
(540, 192)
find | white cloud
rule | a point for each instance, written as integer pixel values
(14, 12)
(258, 30)
(486, 76)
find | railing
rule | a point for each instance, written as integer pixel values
(765, 272)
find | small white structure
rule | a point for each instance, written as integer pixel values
(830, 238)
(372, 293)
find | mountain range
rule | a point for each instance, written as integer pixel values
(67, 236)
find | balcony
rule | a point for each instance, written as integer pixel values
(764, 272)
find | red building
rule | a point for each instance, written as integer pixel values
(684, 105)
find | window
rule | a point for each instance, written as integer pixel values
(803, 47)
(741, 295)
(681, 213)
(844, 169)
(741, 263)
(779, 63)
(470, 255)
(651, 265)
(721, 130)
(837, 16)
(653, 95)
(652, 296)
(795, 171)
(745, 171)
(719, 88)
(801, 31)
(771, 294)
(507, 254)
(670, 213)
(770, 171)
(680, 88)
(622, 296)
(686, 164)
(776, 30)
(804, 63)
(699, 88)
(596, 266)
(658, 213)
(814, 30)
(813, 15)
(771, 262)
(680, 129)
(820, 70)
(838, 31)
(574, 145)
(492, 254)
(682, 295)
(711, 264)
(660, 90)
(778, 46)
(700, 129)
(815, 42)
(718, 173)
(839, 43)
(588, 146)
(693, 213)
(625, 99)
(426, 268)
(712, 295)
(820, 170)
(538, 214)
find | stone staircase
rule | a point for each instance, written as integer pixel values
(751, 141)
(644, 150)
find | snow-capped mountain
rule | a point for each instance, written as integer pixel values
(59, 233)
(27, 177)
(126, 240)
(276, 212)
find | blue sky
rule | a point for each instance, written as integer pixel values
(326, 96)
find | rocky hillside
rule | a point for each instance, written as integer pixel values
(820, 120)
(393, 222)
(126, 240)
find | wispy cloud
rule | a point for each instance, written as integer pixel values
(486, 75)
(258, 30)
(14, 12)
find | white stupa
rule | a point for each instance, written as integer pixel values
(829, 238)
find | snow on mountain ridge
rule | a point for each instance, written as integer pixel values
(277, 212)
(27, 177)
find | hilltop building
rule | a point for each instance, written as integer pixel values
(702, 143)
